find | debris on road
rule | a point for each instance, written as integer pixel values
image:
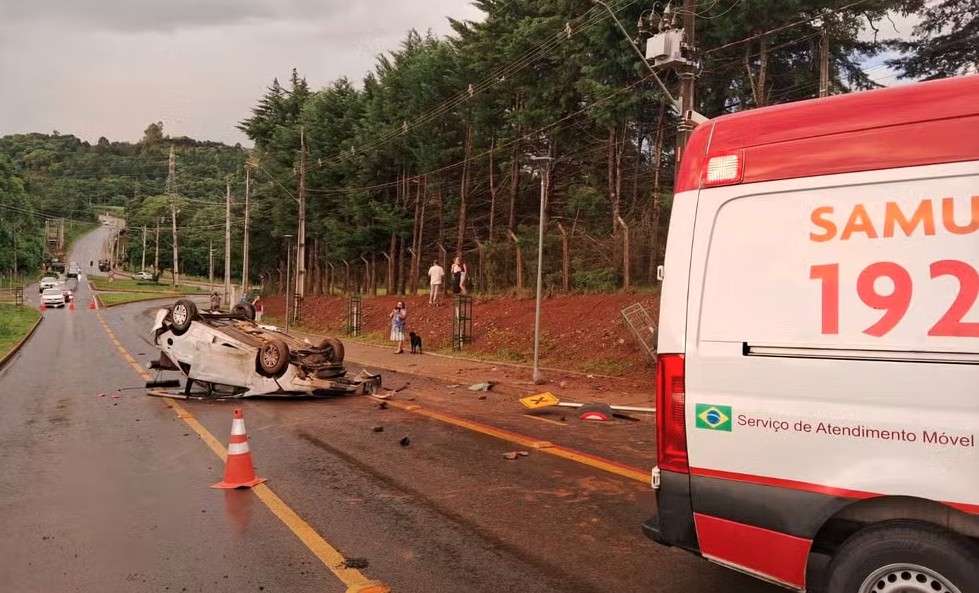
(523, 453)
(547, 399)
(405, 441)
(378, 428)
(599, 412)
(482, 397)
(382, 406)
(486, 386)
(510, 456)
(356, 563)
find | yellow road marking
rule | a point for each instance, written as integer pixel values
(544, 446)
(334, 561)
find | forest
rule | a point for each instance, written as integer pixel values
(436, 151)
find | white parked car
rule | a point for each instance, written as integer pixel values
(229, 354)
(144, 275)
(53, 297)
(47, 282)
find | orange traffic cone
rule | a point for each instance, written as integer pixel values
(238, 471)
(91, 304)
(71, 305)
(42, 307)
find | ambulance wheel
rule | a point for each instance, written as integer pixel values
(336, 349)
(904, 557)
(182, 315)
(244, 310)
(273, 357)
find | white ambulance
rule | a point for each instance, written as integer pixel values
(818, 372)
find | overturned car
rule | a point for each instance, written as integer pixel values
(228, 354)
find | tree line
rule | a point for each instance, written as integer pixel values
(432, 154)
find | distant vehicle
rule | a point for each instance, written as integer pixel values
(74, 271)
(48, 282)
(229, 354)
(53, 297)
(68, 295)
(144, 275)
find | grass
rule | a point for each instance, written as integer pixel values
(102, 283)
(15, 322)
(608, 366)
(110, 299)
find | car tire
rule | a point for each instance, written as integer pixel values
(904, 556)
(244, 310)
(273, 357)
(336, 349)
(182, 315)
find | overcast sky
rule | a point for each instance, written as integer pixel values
(110, 67)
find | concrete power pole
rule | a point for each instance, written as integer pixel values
(687, 78)
(172, 194)
(156, 259)
(824, 62)
(244, 255)
(301, 236)
(227, 244)
(143, 264)
(210, 262)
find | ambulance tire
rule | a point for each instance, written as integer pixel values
(895, 554)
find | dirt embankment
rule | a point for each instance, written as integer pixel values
(580, 332)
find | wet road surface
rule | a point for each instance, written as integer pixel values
(112, 493)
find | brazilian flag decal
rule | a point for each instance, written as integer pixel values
(714, 417)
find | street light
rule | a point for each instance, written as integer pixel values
(288, 239)
(544, 166)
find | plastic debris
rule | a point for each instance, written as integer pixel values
(481, 386)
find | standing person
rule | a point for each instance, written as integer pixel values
(215, 301)
(436, 274)
(456, 276)
(462, 279)
(259, 307)
(398, 317)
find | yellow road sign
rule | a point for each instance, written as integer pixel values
(541, 400)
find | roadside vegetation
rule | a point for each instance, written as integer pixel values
(128, 285)
(111, 299)
(15, 323)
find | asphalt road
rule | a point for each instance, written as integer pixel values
(111, 492)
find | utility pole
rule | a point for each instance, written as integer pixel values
(544, 168)
(172, 194)
(288, 239)
(142, 267)
(227, 244)
(244, 256)
(301, 235)
(687, 78)
(824, 62)
(156, 259)
(210, 262)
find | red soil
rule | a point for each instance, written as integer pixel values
(580, 332)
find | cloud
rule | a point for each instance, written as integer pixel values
(93, 75)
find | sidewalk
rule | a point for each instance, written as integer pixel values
(511, 380)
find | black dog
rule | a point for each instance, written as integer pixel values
(416, 342)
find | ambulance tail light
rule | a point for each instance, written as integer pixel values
(725, 169)
(671, 427)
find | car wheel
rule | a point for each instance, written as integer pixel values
(335, 347)
(182, 315)
(244, 310)
(904, 557)
(273, 357)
